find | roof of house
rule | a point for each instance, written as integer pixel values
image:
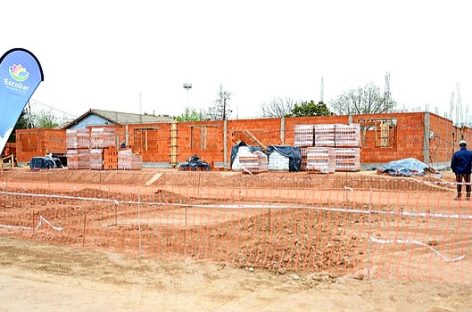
(119, 118)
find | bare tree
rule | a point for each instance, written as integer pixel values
(221, 110)
(363, 100)
(277, 107)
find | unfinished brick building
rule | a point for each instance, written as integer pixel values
(384, 137)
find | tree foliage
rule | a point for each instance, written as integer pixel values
(310, 108)
(45, 119)
(221, 110)
(277, 107)
(363, 100)
(189, 114)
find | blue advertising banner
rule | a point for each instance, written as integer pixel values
(20, 75)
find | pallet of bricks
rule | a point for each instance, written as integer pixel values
(303, 140)
(78, 149)
(250, 162)
(328, 144)
(103, 155)
(127, 160)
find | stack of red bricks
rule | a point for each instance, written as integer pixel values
(110, 158)
(303, 139)
(78, 148)
(102, 137)
(255, 162)
(96, 159)
(321, 159)
(344, 139)
(127, 160)
(102, 140)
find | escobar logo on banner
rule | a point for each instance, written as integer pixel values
(20, 75)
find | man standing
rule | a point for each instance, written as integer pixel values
(461, 166)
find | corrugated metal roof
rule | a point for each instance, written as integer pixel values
(119, 117)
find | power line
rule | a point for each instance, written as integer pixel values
(52, 107)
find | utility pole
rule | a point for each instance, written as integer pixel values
(224, 108)
(188, 86)
(451, 107)
(387, 95)
(322, 90)
(140, 108)
(459, 112)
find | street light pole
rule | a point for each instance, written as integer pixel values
(188, 86)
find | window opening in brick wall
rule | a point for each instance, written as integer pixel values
(384, 130)
(203, 138)
(141, 141)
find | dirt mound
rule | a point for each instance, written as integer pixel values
(300, 180)
(81, 176)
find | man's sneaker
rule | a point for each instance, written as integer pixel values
(457, 198)
(467, 198)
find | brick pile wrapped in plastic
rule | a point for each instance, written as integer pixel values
(96, 159)
(321, 159)
(78, 159)
(324, 135)
(337, 135)
(78, 144)
(77, 138)
(348, 159)
(102, 137)
(303, 135)
(251, 162)
(347, 135)
(127, 160)
(345, 138)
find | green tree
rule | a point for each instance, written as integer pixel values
(190, 114)
(45, 120)
(363, 100)
(310, 108)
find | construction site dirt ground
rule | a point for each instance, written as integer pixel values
(277, 242)
(42, 277)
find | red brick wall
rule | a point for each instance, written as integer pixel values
(205, 138)
(151, 141)
(409, 138)
(446, 138)
(39, 142)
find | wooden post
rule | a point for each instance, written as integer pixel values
(139, 225)
(116, 214)
(32, 219)
(85, 224)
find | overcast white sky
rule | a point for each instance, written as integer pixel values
(102, 54)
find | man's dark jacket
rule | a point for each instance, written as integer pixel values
(461, 161)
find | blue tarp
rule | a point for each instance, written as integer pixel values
(292, 152)
(406, 167)
(235, 148)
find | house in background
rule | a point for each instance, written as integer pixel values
(98, 117)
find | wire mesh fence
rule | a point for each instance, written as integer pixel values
(380, 227)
